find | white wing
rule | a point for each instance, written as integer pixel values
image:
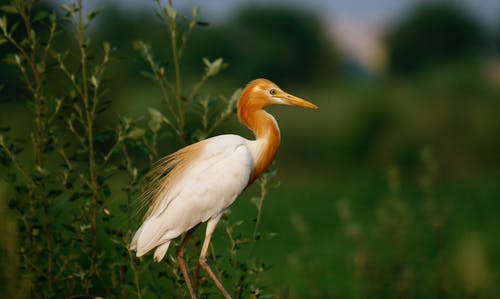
(205, 189)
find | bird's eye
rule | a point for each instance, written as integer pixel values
(272, 92)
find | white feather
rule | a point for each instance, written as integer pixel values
(212, 182)
(160, 251)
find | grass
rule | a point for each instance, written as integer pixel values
(312, 252)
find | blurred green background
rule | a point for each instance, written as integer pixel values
(392, 188)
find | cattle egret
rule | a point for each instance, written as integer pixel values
(199, 182)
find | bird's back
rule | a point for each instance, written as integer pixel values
(204, 179)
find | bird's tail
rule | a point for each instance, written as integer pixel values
(160, 251)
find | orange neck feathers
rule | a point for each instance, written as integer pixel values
(251, 113)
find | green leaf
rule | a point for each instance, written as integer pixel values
(213, 68)
(195, 11)
(234, 99)
(199, 135)
(41, 171)
(156, 118)
(137, 44)
(171, 13)
(136, 133)
(106, 46)
(206, 61)
(255, 201)
(94, 14)
(147, 74)
(40, 16)
(3, 23)
(238, 223)
(9, 9)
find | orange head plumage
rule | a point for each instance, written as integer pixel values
(256, 96)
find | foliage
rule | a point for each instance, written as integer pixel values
(434, 33)
(74, 180)
(384, 252)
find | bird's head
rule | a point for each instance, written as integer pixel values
(261, 93)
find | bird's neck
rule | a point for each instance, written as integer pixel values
(267, 135)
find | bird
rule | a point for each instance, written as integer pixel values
(197, 183)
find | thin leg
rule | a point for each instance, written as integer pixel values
(203, 256)
(182, 262)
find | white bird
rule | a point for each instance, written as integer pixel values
(199, 182)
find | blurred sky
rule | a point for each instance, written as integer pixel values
(356, 26)
(363, 11)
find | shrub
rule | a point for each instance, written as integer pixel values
(73, 182)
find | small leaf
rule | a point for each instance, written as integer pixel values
(238, 223)
(206, 61)
(199, 135)
(147, 74)
(41, 171)
(17, 59)
(137, 44)
(94, 14)
(94, 81)
(171, 13)
(9, 9)
(116, 241)
(213, 68)
(106, 47)
(40, 16)
(85, 227)
(3, 23)
(32, 34)
(134, 174)
(136, 133)
(195, 11)
(156, 118)
(255, 201)
(234, 98)
(14, 27)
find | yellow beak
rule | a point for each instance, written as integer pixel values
(292, 100)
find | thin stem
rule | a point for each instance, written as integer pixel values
(197, 86)
(177, 90)
(185, 36)
(260, 202)
(89, 121)
(159, 78)
(169, 18)
(135, 273)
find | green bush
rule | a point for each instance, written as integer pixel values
(70, 208)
